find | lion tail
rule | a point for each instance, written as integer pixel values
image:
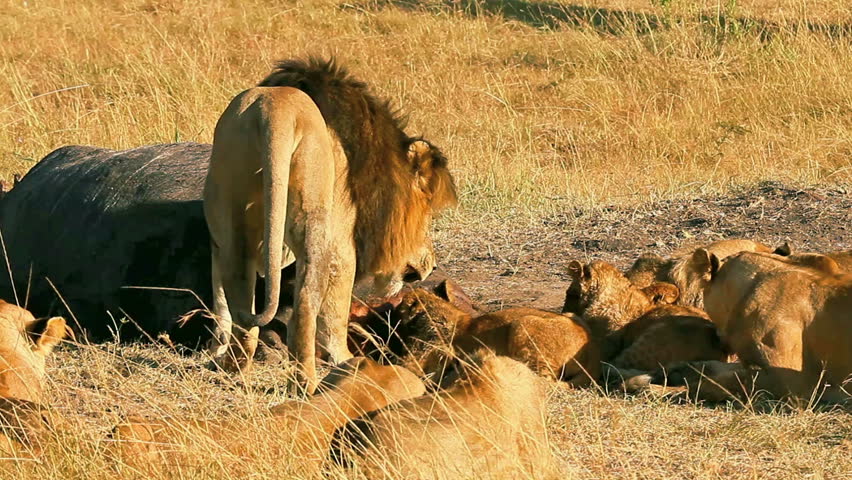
(276, 180)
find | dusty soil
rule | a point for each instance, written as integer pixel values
(514, 265)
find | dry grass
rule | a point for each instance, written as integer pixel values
(538, 104)
(600, 437)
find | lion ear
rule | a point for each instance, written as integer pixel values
(456, 296)
(420, 160)
(784, 250)
(579, 271)
(431, 174)
(47, 333)
(702, 260)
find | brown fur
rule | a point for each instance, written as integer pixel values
(668, 334)
(432, 330)
(842, 259)
(683, 270)
(789, 317)
(350, 390)
(608, 301)
(488, 424)
(372, 135)
(637, 328)
(25, 342)
(311, 168)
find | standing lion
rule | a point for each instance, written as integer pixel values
(311, 168)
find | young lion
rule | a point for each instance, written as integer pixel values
(488, 424)
(637, 327)
(303, 429)
(25, 342)
(789, 317)
(311, 168)
(684, 270)
(431, 330)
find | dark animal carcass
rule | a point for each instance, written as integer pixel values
(93, 220)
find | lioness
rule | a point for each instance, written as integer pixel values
(488, 424)
(431, 330)
(302, 429)
(637, 327)
(311, 168)
(789, 317)
(683, 270)
(24, 344)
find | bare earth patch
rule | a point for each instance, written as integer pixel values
(525, 263)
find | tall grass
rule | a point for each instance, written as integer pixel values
(538, 105)
(93, 388)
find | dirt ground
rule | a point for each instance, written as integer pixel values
(528, 265)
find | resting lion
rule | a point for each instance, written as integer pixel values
(683, 270)
(301, 430)
(431, 330)
(791, 318)
(25, 342)
(488, 424)
(311, 168)
(637, 327)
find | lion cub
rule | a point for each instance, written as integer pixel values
(488, 424)
(25, 343)
(789, 317)
(302, 429)
(685, 271)
(638, 327)
(432, 330)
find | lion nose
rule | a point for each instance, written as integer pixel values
(411, 275)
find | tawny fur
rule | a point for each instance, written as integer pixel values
(791, 318)
(683, 270)
(488, 424)
(558, 346)
(637, 328)
(311, 168)
(25, 342)
(668, 334)
(303, 429)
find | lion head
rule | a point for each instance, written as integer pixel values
(607, 299)
(25, 342)
(396, 182)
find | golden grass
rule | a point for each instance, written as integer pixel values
(538, 104)
(596, 436)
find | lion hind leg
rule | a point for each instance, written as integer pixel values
(236, 268)
(333, 319)
(311, 286)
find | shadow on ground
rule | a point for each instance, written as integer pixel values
(554, 15)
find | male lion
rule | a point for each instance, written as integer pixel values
(488, 424)
(24, 344)
(311, 168)
(684, 270)
(302, 429)
(789, 317)
(637, 327)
